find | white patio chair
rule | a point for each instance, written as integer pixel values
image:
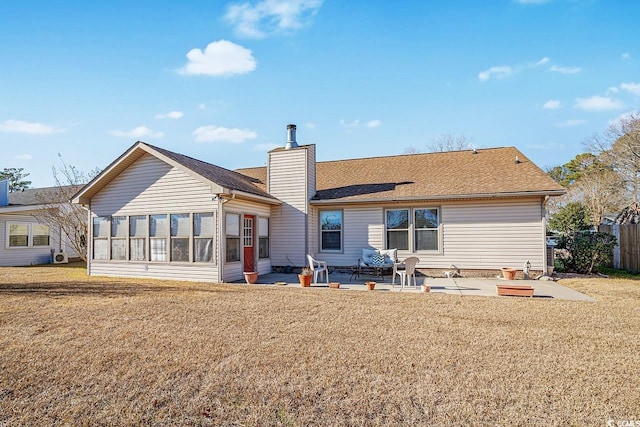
(318, 267)
(407, 273)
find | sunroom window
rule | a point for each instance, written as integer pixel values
(118, 238)
(232, 237)
(263, 237)
(101, 238)
(180, 237)
(137, 237)
(203, 229)
(158, 233)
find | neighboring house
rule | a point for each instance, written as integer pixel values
(155, 213)
(23, 240)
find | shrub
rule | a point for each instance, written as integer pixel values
(586, 251)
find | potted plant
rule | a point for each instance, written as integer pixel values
(305, 277)
(426, 288)
(334, 285)
(251, 277)
(370, 285)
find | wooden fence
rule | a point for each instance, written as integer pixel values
(626, 256)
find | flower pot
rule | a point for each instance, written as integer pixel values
(305, 280)
(508, 273)
(370, 285)
(426, 288)
(334, 285)
(251, 277)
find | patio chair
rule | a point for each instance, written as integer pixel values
(318, 267)
(405, 273)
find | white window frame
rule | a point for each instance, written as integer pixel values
(411, 230)
(321, 231)
(30, 244)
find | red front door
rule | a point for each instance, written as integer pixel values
(247, 243)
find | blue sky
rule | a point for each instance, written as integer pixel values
(220, 81)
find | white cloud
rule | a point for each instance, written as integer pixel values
(598, 103)
(222, 134)
(264, 147)
(310, 125)
(552, 104)
(170, 115)
(565, 70)
(571, 123)
(137, 132)
(543, 61)
(353, 124)
(633, 88)
(373, 123)
(612, 89)
(30, 128)
(23, 156)
(220, 59)
(265, 17)
(625, 56)
(202, 106)
(499, 72)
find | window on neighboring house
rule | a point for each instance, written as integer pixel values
(180, 233)
(263, 237)
(232, 237)
(158, 233)
(203, 232)
(119, 238)
(138, 237)
(398, 229)
(415, 229)
(330, 230)
(101, 238)
(27, 235)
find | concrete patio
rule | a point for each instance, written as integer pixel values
(455, 286)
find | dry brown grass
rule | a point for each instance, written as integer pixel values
(95, 351)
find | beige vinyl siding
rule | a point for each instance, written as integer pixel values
(491, 235)
(474, 234)
(363, 228)
(287, 178)
(187, 271)
(23, 256)
(150, 185)
(234, 271)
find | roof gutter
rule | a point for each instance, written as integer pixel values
(443, 197)
(245, 195)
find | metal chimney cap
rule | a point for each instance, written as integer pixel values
(291, 137)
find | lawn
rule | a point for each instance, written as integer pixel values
(97, 351)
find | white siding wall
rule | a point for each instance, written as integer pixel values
(288, 175)
(475, 235)
(233, 271)
(150, 186)
(26, 256)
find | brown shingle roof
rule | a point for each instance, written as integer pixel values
(455, 174)
(224, 177)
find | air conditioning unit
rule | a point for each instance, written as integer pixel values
(60, 258)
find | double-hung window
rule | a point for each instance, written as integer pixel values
(331, 231)
(101, 238)
(138, 237)
(203, 230)
(119, 238)
(263, 237)
(158, 233)
(232, 237)
(180, 233)
(27, 235)
(413, 229)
